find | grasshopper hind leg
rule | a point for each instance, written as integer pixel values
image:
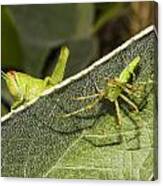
(17, 103)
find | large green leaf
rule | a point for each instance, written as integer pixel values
(83, 52)
(37, 142)
(39, 29)
(11, 48)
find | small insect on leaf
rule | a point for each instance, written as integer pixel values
(24, 87)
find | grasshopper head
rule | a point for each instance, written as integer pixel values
(12, 83)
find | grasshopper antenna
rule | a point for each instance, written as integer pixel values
(4, 75)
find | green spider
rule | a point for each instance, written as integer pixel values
(112, 91)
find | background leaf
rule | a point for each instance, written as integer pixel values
(11, 51)
(43, 27)
(38, 143)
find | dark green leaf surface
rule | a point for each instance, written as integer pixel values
(11, 47)
(37, 142)
(83, 52)
(41, 28)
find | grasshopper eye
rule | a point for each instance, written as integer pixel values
(11, 73)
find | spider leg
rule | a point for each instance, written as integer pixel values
(118, 112)
(99, 94)
(86, 97)
(128, 85)
(134, 87)
(87, 107)
(127, 90)
(97, 88)
(123, 86)
(133, 76)
(129, 102)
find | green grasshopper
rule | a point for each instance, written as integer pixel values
(24, 87)
(112, 91)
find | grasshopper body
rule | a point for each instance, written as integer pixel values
(24, 87)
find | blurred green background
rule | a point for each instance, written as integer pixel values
(32, 35)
